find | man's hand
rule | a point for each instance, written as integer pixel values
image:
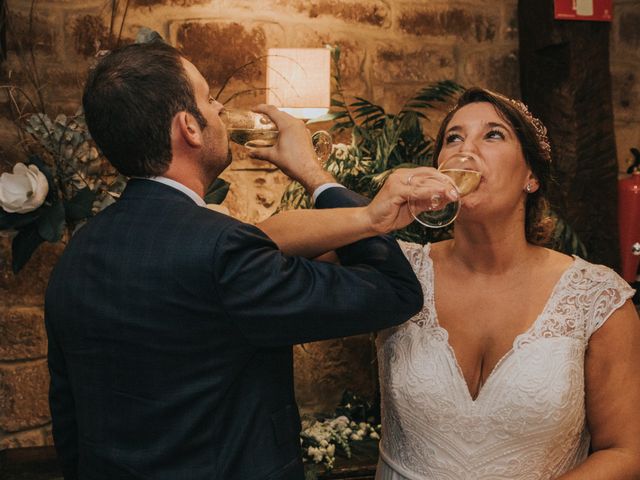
(293, 154)
(389, 209)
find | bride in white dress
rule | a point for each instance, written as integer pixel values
(522, 359)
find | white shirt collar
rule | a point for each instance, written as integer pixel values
(179, 186)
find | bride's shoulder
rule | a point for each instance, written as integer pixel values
(554, 260)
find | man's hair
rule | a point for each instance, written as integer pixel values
(129, 101)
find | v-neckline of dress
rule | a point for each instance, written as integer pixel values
(509, 353)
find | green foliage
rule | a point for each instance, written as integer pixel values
(566, 240)
(380, 143)
(217, 191)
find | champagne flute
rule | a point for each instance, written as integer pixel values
(255, 130)
(463, 171)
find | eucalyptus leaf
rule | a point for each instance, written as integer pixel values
(17, 221)
(80, 206)
(217, 191)
(23, 245)
(146, 35)
(51, 223)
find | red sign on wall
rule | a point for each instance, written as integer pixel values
(594, 10)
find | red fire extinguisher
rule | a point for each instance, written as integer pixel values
(629, 219)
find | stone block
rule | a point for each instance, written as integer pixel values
(221, 50)
(25, 33)
(10, 149)
(367, 12)
(88, 33)
(396, 64)
(22, 333)
(24, 400)
(352, 62)
(255, 190)
(62, 84)
(495, 70)
(324, 370)
(37, 437)
(449, 21)
(27, 287)
(629, 33)
(393, 97)
(626, 91)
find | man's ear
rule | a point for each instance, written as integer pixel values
(189, 129)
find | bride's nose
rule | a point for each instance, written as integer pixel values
(469, 145)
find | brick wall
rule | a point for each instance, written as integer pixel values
(390, 49)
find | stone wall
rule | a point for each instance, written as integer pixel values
(390, 48)
(625, 74)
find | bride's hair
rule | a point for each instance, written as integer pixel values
(532, 134)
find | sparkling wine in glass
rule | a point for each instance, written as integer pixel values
(435, 211)
(255, 130)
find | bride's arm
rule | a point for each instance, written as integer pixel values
(612, 384)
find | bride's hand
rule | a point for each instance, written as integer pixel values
(389, 210)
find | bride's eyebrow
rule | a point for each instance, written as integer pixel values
(502, 126)
(455, 128)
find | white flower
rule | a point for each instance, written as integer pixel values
(315, 454)
(24, 190)
(340, 151)
(374, 435)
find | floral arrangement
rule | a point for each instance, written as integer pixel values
(320, 439)
(63, 182)
(355, 422)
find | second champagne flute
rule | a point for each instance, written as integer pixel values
(463, 170)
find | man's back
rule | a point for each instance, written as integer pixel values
(170, 341)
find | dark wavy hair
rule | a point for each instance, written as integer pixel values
(539, 225)
(130, 99)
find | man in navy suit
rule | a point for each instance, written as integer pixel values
(171, 326)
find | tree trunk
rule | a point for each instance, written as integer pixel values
(565, 81)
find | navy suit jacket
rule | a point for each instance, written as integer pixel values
(170, 333)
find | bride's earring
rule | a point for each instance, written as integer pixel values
(528, 188)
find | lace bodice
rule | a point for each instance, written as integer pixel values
(528, 421)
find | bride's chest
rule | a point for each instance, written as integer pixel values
(537, 378)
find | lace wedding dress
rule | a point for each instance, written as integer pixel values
(528, 420)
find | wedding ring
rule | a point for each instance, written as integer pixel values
(408, 181)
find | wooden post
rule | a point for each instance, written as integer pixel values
(3, 30)
(565, 81)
